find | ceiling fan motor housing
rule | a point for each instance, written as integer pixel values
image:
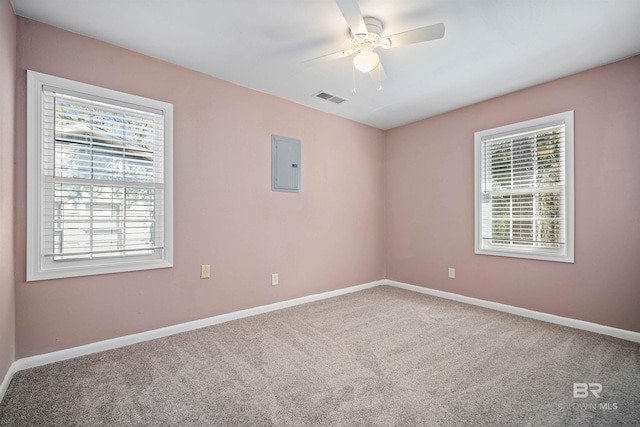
(372, 38)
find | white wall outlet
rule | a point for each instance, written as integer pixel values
(205, 271)
(274, 279)
(452, 273)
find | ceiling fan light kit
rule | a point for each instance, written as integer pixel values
(365, 44)
(366, 60)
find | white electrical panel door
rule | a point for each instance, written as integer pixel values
(285, 164)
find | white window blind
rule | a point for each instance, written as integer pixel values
(103, 194)
(523, 194)
(104, 177)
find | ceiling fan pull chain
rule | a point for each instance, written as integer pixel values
(353, 76)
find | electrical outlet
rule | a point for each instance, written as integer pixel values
(205, 271)
(274, 279)
(452, 273)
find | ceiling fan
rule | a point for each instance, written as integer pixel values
(366, 37)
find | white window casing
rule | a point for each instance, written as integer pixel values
(524, 189)
(99, 180)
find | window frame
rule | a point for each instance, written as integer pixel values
(39, 267)
(564, 254)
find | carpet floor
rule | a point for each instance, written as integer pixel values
(382, 356)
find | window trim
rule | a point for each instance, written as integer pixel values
(565, 255)
(37, 266)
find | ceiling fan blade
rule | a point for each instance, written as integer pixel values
(330, 56)
(418, 35)
(351, 12)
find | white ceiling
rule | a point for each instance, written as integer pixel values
(490, 47)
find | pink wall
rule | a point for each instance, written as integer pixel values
(325, 238)
(430, 213)
(410, 188)
(7, 116)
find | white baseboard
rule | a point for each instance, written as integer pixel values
(550, 318)
(70, 353)
(57, 356)
(7, 379)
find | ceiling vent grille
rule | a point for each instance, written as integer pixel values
(328, 97)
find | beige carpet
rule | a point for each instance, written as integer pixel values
(382, 356)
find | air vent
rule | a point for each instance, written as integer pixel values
(328, 97)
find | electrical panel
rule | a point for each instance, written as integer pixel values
(285, 164)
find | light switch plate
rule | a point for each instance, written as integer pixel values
(205, 271)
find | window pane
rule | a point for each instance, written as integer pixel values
(101, 142)
(98, 141)
(103, 221)
(514, 164)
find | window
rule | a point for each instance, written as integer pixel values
(524, 189)
(99, 180)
